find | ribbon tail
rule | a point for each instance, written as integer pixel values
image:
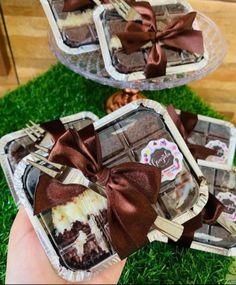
(50, 193)
(55, 128)
(121, 241)
(213, 209)
(156, 62)
(189, 121)
(177, 121)
(200, 151)
(130, 217)
(190, 40)
(208, 215)
(189, 229)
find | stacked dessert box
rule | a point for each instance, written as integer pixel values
(85, 28)
(75, 234)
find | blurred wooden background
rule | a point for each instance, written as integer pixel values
(27, 30)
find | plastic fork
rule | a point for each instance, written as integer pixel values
(59, 168)
(127, 12)
(34, 132)
(62, 173)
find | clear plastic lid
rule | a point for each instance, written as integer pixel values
(127, 138)
(15, 146)
(209, 133)
(76, 27)
(18, 148)
(111, 23)
(78, 230)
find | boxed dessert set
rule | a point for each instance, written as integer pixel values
(200, 131)
(86, 184)
(138, 40)
(97, 190)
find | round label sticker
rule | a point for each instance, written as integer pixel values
(222, 151)
(165, 155)
(229, 201)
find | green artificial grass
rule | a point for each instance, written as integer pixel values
(60, 92)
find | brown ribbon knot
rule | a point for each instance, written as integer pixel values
(130, 187)
(185, 123)
(178, 34)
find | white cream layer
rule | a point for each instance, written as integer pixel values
(85, 204)
(76, 20)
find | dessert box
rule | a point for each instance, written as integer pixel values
(128, 67)
(15, 146)
(73, 31)
(75, 235)
(216, 238)
(215, 134)
(222, 184)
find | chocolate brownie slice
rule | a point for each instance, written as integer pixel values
(81, 230)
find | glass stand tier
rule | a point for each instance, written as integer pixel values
(91, 66)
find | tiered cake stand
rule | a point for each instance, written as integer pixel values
(91, 66)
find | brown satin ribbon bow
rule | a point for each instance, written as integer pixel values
(55, 128)
(130, 187)
(178, 34)
(185, 123)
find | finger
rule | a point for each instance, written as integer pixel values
(20, 226)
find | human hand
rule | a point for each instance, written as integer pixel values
(27, 262)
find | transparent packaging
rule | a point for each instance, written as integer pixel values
(75, 235)
(15, 146)
(215, 134)
(74, 31)
(78, 230)
(218, 135)
(129, 67)
(128, 63)
(124, 139)
(91, 65)
(222, 184)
